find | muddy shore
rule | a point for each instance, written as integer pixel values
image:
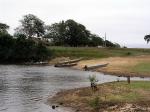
(112, 97)
(119, 66)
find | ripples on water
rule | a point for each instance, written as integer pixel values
(26, 88)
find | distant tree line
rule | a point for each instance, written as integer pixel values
(64, 33)
(31, 37)
(71, 33)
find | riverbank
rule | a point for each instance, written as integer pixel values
(134, 66)
(112, 97)
(122, 61)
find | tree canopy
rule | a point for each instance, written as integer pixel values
(31, 26)
(95, 40)
(63, 33)
(71, 33)
(147, 38)
(20, 49)
(3, 28)
(68, 33)
(76, 34)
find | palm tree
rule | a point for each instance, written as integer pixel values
(147, 38)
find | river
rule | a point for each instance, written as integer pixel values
(26, 88)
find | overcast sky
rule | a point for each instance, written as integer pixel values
(124, 21)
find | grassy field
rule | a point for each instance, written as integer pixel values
(111, 97)
(88, 52)
(143, 67)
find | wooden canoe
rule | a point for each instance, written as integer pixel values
(70, 61)
(94, 66)
(65, 65)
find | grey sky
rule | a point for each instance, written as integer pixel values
(124, 21)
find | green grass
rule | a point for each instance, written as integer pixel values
(108, 94)
(142, 67)
(128, 92)
(145, 85)
(133, 84)
(88, 52)
(128, 97)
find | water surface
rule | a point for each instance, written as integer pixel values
(26, 88)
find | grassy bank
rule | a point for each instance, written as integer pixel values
(112, 97)
(143, 67)
(122, 61)
(121, 66)
(97, 52)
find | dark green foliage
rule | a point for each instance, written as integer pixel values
(31, 26)
(21, 50)
(24, 49)
(128, 53)
(109, 44)
(95, 40)
(76, 34)
(64, 33)
(3, 28)
(56, 32)
(95, 103)
(6, 47)
(42, 52)
(68, 33)
(18, 35)
(71, 33)
(147, 38)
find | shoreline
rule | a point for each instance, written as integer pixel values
(115, 73)
(118, 66)
(78, 99)
(55, 99)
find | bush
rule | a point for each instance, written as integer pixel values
(93, 79)
(21, 49)
(6, 47)
(95, 103)
(128, 53)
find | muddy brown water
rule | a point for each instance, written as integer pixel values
(26, 88)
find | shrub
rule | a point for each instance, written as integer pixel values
(128, 53)
(95, 103)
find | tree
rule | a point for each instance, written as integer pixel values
(95, 40)
(117, 45)
(68, 33)
(71, 33)
(76, 34)
(6, 47)
(3, 28)
(25, 49)
(93, 81)
(56, 32)
(147, 38)
(31, 26)
(110, 44)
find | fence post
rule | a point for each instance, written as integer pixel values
(128, 79)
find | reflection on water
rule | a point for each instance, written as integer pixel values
(26, 88)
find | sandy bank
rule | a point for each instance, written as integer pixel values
(120, 66)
